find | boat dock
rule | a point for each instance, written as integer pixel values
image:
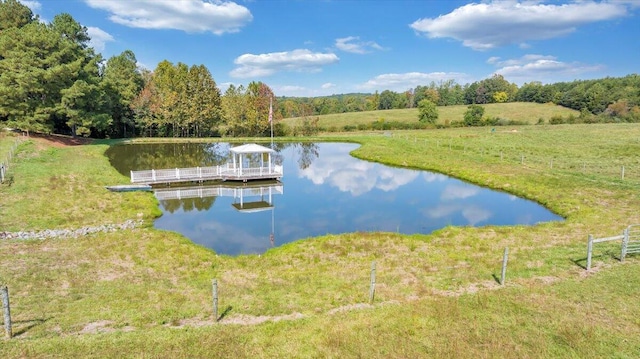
(248, 164)
(203, 174)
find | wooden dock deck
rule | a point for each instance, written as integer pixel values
(201, 174)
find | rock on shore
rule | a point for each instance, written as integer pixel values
(70, 233)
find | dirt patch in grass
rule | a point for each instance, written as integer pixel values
(59, 140)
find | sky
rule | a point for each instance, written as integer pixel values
(312, 48)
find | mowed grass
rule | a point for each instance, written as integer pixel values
(524, 112)
(147, 293)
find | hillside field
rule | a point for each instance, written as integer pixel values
(525, 112)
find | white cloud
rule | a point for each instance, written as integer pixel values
(452, 192)
(192, 16)
(33, 5)
(250, 65)
(534, 67)
(405, 81)
(301, 91)
(430, 177)
(349, 174)
(475, 214)
(354, 45)
(292, 88)
(488, 25)
(99, 38)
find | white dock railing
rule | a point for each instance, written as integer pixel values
(224, 172)
(218, 191)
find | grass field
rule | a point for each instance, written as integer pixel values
(525, 112)
(147, 293)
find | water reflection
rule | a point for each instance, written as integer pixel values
(327, 191)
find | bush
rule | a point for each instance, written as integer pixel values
(473, 115)
(556, 120)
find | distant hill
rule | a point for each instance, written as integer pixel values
(526, 112)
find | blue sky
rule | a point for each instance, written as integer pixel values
(324, 47)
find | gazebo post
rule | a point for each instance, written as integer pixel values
(234, 163)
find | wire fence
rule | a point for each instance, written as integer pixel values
(6, 161)
(606, 168)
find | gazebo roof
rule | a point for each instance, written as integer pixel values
(250, 148)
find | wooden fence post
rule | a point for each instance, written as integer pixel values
(589, 251)
(215, 300)
(505, 257)
(7, 311)
(622, 173)
(372, 288)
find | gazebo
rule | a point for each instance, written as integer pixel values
(244, 170)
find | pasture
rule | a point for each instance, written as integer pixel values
(524, 112)
(147, 293)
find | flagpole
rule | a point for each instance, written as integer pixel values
(271, 118)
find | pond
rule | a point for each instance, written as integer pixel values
(324, 191)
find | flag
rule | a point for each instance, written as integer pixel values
(270, 110)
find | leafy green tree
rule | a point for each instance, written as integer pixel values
(373, 102)
(387, 100)
(259, 97)
(500, 97)
(450, 93)
(204, 102)
(427, 111)
(232, 111)
(169, 104)
(122, 82)
(473, 115)
(143, 107)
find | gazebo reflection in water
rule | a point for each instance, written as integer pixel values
(250, 197)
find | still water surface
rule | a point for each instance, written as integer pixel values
(324, 190)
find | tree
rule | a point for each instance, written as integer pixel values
(14, 15)
(38, 63)
(70, 29)
(84, 105)
(143, 107)
(450, 93)
(204, 103)
(387, 100)
(473, 115)
(259, 97)
(427, 111)
(500, 97)
(233, 109)
(122, 82)
(169, 104)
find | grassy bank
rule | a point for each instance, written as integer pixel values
(145, 292)
(524, 112)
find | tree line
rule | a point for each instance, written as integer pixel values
(52, 81)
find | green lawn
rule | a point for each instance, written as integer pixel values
(525, 112)
(147, 293)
